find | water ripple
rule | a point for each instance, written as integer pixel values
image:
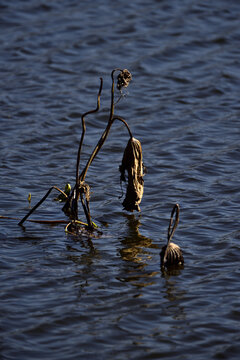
(107, 297)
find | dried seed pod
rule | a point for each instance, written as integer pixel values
(132, 163)
(124, 79)
(171, 254)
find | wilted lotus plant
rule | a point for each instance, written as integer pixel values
(131, 163)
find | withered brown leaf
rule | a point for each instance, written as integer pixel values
(132, 163)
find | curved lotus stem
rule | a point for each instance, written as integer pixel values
(40, 202)
(84, 129)
(105, 133)
(125, 123)
(123, 80)
(171, 253)
(171, 230)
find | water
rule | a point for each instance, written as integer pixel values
(106, 297)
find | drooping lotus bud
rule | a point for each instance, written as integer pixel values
(171, 254)
(132, 163)
(124, 79)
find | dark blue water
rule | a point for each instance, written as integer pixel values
(106, 298)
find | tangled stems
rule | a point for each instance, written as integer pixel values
(105, 133)
(123, 80)
(81, 189)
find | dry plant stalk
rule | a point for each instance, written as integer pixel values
(132, 163)
(171, 254)
(124, 79)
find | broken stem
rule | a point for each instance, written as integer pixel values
(40, 202)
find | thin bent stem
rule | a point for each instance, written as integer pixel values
(84, 129)
(87, 212)
(105, 133)
(40, 202)
(51, 222)
(124, 122)
(86, 209)
(171, 230)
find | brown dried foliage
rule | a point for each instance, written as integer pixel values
(124, 79)
(132, 163)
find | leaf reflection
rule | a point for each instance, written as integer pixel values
(134, 244)
(136, 254)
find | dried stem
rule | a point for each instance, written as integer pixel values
(40, 202)
(171, 229)
(105, 133)
(49, 222)
(81, 189)
(77, 186)
(124, 122)
(86, 211)
(84, 129)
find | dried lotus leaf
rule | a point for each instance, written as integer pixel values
(133, 165)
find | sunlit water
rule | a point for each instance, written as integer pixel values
(106, 297)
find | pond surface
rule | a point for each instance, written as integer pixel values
(106, 297)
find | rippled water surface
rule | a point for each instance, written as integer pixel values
(106, 297)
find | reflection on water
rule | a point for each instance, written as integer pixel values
(83, 251)
(134, 244)
(136, 250)
(174, 270)
(183, 105)
(174, 293)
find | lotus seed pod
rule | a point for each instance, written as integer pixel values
(124, 79)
